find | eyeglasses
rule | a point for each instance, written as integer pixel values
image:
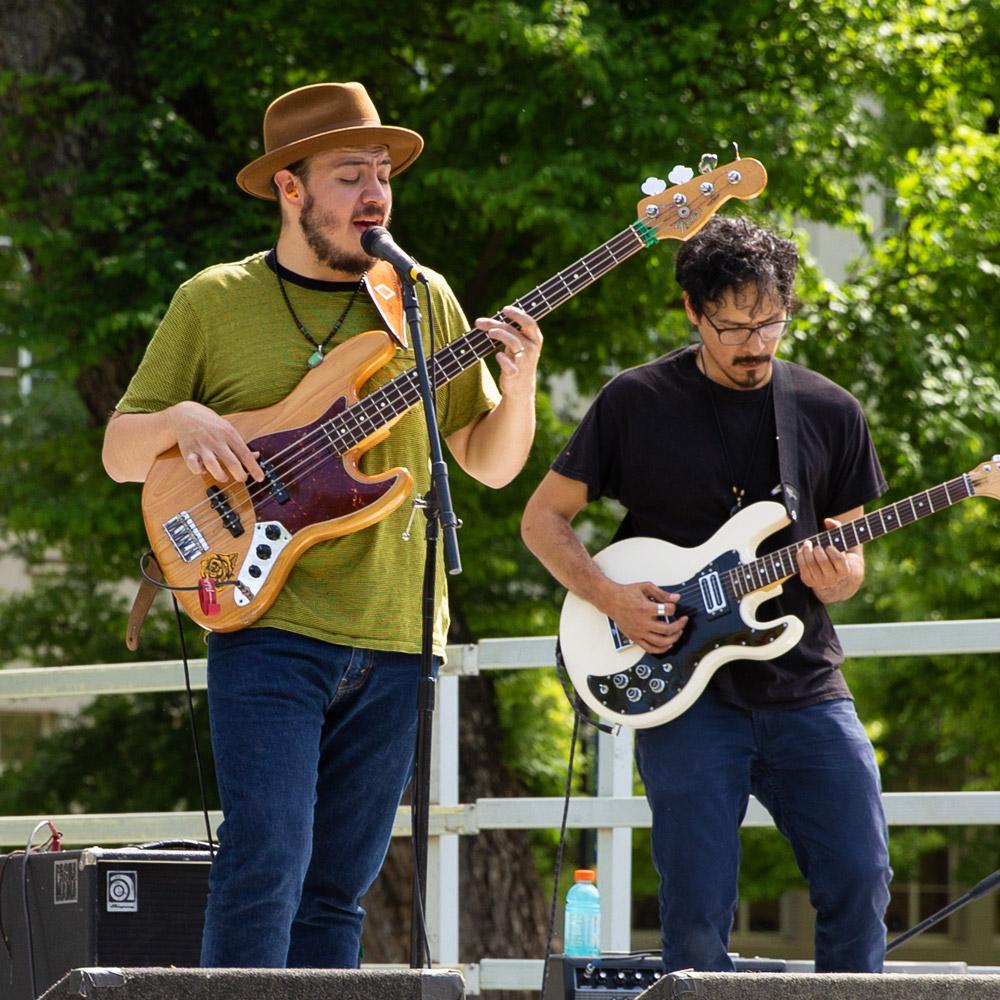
(736, 336)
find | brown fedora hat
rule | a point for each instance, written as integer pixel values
(318, 117)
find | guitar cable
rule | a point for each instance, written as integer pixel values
(194, 729)
(163, 585)
(559, 854)
(580, 709)
(54, 842)
(580, 714)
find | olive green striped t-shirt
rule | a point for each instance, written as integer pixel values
(229, 342)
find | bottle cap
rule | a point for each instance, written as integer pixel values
(583, 875)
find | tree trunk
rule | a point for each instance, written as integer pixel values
(504, 904)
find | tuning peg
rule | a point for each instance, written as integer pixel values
(707, 163)
(680, 175)
(653, 186)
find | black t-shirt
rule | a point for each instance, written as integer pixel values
(651, 440)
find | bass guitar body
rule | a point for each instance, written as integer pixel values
(624, 684)
(241, 540)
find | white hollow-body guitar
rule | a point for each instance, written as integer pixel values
(722, 583)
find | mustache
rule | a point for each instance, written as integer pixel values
(758, 359)
(367, 215)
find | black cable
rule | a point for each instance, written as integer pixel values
(27, 912)
(4, 861)
(163, 585)
(172, 845)
(559, 854)
(194, 728)
(581, 710)
(421, 916)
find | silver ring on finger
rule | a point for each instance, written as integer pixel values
(519, 352)
(661, 610)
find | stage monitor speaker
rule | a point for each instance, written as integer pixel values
(259, 984)
(822, 986)
(97, 907)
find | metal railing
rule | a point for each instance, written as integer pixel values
(614, 812)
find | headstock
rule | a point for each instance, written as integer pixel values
(985, 478)
(677, 213)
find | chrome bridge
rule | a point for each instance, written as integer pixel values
(188, 540)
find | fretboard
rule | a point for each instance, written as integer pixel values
(783, 563)
(357, 422)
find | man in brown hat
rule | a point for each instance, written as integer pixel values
(313, 708)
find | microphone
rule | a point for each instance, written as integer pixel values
(377, 242)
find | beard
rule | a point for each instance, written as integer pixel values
(751, 378)
(314, 226)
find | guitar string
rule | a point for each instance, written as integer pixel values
(736, 578)
(633, 243)
(620, 253)
(321, 434)
(963, 483)
(630, 233)
(339, 423)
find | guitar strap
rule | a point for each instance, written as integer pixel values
(786, 419)
(383, 288)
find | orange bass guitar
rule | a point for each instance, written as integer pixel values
(241, 540)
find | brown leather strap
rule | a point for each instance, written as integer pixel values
(384, 289)
(144, 598)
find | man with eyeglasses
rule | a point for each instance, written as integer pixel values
(683, 443)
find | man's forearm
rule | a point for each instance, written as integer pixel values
(555, 544)
(500, 442)
(133, 440)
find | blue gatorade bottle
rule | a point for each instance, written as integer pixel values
(582, 930)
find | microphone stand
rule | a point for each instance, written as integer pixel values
(438, 510)
(988, 884)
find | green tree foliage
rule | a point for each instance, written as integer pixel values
(541, 121)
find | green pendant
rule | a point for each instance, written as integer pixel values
(316, 357)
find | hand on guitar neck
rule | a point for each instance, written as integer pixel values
(832, 575)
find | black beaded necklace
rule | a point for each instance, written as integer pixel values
(317, 356)
(738, 491)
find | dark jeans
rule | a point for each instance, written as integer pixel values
(313, 748)
(814, 770)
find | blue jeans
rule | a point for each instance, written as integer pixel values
(313, 748)
(814, 770)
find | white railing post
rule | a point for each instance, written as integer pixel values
(442, 850)
(614, 844)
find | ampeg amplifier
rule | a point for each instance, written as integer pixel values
(97, 907)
